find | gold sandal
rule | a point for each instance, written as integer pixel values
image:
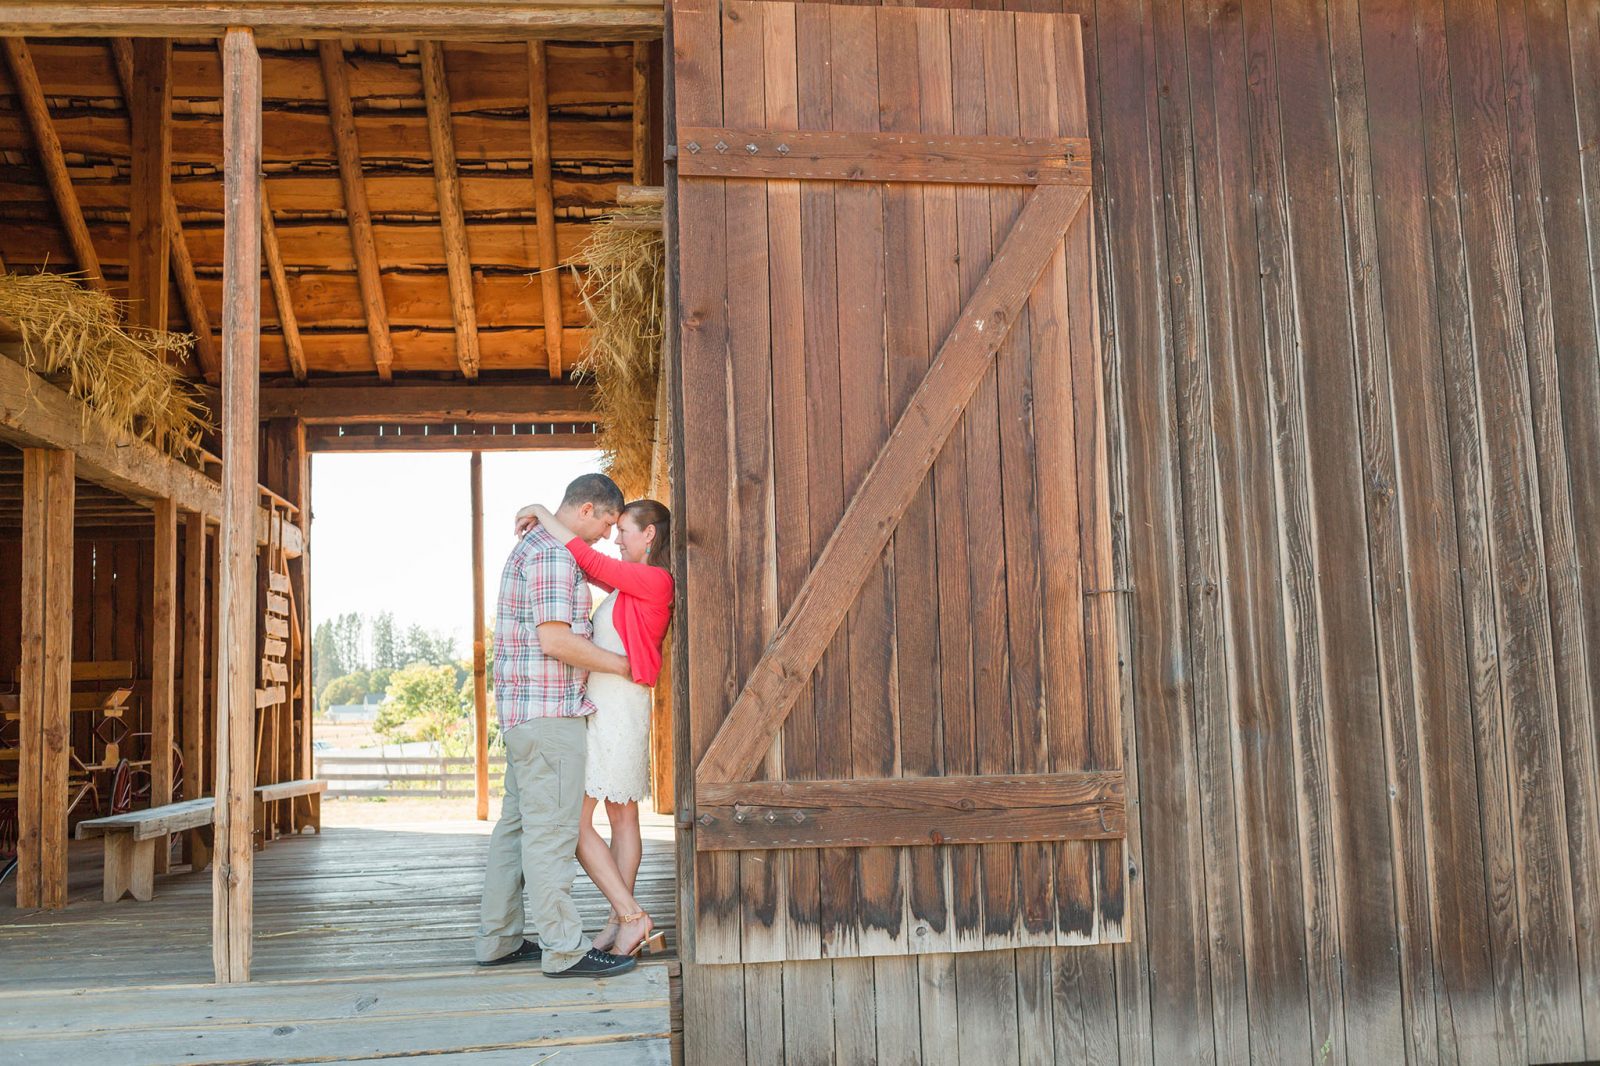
(652, 942)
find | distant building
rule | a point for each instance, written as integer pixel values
(356, 712)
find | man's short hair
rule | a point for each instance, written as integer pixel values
(596, 489)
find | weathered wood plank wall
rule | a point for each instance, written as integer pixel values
(1347, 257)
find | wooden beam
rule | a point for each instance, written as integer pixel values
(163, 664)
(411, 439)
(641, 113)
(598, 20)
(893, 479)
(193, 688)
(347, 146)
(183, 276)
(232, 916)
(36, 414)
(48, 147)
(480, 681)
(351, 405)
(821, 155)
(910, 811)
(45, 728)
(544, 203)
(452, 220)
(641, 195)
(149, 237)
(282, 298)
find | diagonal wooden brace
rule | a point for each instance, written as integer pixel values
(880, 502)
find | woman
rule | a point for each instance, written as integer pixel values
(631, 621)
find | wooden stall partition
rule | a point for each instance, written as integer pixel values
(284, 641)
(863, 785)
(194, 684)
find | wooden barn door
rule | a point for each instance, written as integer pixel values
(902, 687)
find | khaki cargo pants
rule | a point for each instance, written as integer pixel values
(535, 844)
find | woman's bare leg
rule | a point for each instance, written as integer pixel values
(627, 847)
(597, 862)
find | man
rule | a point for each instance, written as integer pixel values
(542, 660)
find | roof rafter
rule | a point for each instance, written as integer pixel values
(341, 115)
(282, 298)
(452, 220)
(194, 305)
(48, 146)
(544, 202)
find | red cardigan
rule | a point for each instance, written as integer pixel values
(642, 610)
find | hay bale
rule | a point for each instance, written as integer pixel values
(129, 378)
(623, 290)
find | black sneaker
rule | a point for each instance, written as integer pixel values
(528, 950)
(597, 963)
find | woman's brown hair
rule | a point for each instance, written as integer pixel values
(651, 513)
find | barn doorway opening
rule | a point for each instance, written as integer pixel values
(393, 607)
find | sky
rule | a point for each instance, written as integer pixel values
(394, 532)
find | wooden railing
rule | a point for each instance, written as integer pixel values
(404, 776)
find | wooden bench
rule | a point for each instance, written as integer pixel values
(311, 788)
(130, 839)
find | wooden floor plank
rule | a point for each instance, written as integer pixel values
(656, 1052)
(362, 952)
(289, 1040)
(354, 900)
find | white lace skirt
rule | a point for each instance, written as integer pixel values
(619, 730)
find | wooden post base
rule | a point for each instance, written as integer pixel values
(130, 867)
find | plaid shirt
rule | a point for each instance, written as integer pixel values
(540, 583)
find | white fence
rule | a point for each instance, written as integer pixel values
(405, 776)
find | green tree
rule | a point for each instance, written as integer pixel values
(325, 662)
(347, 629)
(425, 703)
(351, 688)
(385, 653)
(421, 645)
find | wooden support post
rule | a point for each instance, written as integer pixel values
(46, 677)
(544, 203)
(236, 633)
(163, 666)
(194, 671)
(48, 147)
(300, 574)
(194, 306)
(663, 791)
(342, 116)
(149, 102)
(480, 681)
(452, 220)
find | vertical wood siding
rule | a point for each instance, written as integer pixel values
(1347, 258)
